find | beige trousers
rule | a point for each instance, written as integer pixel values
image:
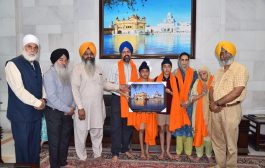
(225, 135)
(96, 135)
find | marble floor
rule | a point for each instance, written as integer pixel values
(8, 151)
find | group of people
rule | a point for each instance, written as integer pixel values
(202, 110)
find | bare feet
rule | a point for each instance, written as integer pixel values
(196, 159)
(100, 158)
(142, 156)
(210, 160)
(161, 156)
(177, 157)
(115, 159)
(65, 166)
(190, 157)
(147, 156)
(81, 163)
(169, 155)
(129, 155)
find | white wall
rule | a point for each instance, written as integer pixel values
(67, 23)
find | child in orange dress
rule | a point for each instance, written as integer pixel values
(145, 122)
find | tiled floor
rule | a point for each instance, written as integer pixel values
(8, 151)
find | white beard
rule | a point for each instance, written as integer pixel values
(63, 74)
(28, 57)
(90, 68)
(228, 62)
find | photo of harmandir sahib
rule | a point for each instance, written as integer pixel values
(151, 32)
(147, 97)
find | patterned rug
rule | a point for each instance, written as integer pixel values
(153, 162)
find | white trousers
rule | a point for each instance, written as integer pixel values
(96, 135)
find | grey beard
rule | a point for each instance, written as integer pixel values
(90, 67)
(28, 57)
(63, 74)
(126, 58)
(228, 62)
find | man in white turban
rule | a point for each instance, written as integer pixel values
(25, 100)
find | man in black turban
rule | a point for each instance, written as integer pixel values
(60, 59)
(60, 107)
(58, 53)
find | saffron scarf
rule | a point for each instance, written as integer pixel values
(122, 80)
(175, 119)
(200, 126)
(150, 120)
(184, 87)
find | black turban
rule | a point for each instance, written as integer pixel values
(56, 54)
(166, 60)
(144, 66)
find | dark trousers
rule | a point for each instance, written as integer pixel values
(27, 141)
(59, 130)
(120, 132)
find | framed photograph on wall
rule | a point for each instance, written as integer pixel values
(147, 97)
(155, 28)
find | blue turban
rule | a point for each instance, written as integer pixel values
(126, 44)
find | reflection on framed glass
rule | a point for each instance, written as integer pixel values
(147, 97)
(156, 28)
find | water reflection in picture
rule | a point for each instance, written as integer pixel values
(147, 97)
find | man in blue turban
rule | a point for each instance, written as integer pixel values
(121, 127)
(125, 48)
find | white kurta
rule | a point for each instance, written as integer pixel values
(88, 94)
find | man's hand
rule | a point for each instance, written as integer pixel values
(204, 89)
(81, 114)
(42, 106)
(214, 108)
(169, 91)
(124, 88)
(184, 104)
(71, 112)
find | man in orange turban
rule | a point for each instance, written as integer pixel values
(88, 85)
(227, 92)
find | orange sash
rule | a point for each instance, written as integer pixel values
(175, 119)
(184, 88)
(150, 120)
(200, 126)
(134, 76)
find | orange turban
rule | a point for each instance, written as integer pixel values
(228, 46)
(85, 45)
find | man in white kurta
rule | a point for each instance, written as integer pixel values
(88, 85)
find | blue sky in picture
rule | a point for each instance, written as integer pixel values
(150, 89)
(155, 11)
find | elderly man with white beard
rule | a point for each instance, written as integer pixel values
(60, 107)
(88, 85)
(25, 99)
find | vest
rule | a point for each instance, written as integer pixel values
(32, 80)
